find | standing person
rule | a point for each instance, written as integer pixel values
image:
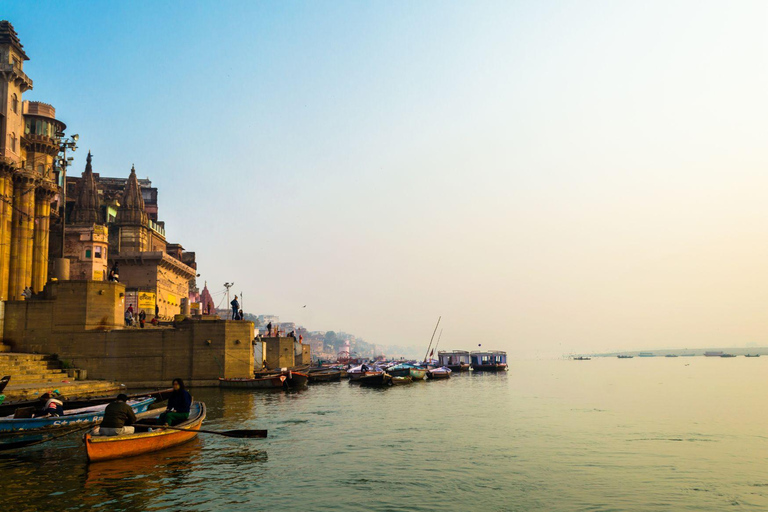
(301, 338)
(118, 418)
(178, 405)
(242, 315)
(235, 308)
(269, 329)
(114, 274)
(129, 316)
(157, 310)
(142, 318)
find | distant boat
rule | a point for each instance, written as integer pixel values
(670, 355)
(623, 356)
(646, 354)
(728, 355)
(687, 355)
(752, 355)
(714, 353)
(582, 358)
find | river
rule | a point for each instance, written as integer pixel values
(682, 434)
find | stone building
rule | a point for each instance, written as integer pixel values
(29, 145)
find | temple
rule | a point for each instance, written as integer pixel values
(77, 252)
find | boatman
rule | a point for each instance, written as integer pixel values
(179, 404)
(235, 308)
(118, 418)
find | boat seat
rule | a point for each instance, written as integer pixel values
(24, 412)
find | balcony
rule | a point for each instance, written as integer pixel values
(14, 72)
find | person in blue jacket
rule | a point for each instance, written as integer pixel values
(179, 403)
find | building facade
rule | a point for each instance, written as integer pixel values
(29, 145)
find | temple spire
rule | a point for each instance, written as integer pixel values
(87, 207)
(131, 209)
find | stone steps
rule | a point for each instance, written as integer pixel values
(35, 374)
(31, 391)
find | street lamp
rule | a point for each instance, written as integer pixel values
(64, 162)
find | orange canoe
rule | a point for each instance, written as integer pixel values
(116, 447)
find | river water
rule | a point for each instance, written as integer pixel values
(603, 435)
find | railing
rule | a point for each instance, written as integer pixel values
(154, 226)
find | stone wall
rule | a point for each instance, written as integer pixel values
(82, 323)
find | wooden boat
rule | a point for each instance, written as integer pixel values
(397, 381)
(18, 432)
(625, 357)
(10, 408)
(752, 355)
(278, 371)
(375, 380)
(439, 373)
(286, 380)
(728, 355)
(324, 376)
(147, 438)
(418, 373)
(582, 358)
(671, 355)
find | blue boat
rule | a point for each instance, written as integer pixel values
(16, 432)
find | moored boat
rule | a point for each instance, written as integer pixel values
(375, 380)
(581, 358)
(277, 381)
(623, 356)
(147, 438)
(489, 361)
(728, 355)
(418, 373)
(324, 376)
(397, 381)
(457, 360)
(751, 355)
(439, 373)
(9, 408)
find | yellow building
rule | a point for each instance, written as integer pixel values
(28, 148)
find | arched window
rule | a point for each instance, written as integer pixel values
(15, 104)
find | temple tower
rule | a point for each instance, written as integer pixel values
(132, 219)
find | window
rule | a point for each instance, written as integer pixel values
(97, 252)
(87, 253)
(13, 142)
(15, 104)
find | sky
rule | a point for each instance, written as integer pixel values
(549, 177)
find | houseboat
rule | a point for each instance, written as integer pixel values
(490, 361)
(457, 360)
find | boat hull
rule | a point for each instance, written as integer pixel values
(490, 368)
(399, 381)
(325, 376)
(100, 448)
(377, 380)
(418, 374)
(464, 367)
(279, 381)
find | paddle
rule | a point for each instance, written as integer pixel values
(240, 434)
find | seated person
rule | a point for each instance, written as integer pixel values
(178, 405)
(118, 418)
(50, 407)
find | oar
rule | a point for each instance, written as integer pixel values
(241, 434)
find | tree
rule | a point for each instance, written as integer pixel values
(331, 340)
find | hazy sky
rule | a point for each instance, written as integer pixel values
(547, 176)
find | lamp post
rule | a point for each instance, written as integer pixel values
(64, 162)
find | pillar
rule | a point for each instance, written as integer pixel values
(22, 235)
(41, 237)
(6, 218)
